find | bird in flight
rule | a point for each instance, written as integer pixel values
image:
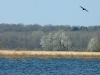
(34, 0)
(84, 9)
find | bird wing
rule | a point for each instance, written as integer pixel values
(84, 9)
(81, 7)
(34, 0)
(87, 10)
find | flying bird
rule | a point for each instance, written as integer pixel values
(34, 0)
(84, 9)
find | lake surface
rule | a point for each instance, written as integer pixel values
(49, 67)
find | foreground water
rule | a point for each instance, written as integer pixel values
(49, 67)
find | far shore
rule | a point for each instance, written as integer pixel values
(47, 54)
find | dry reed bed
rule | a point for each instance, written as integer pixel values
(47, 54)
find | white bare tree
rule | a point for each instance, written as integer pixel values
(46, 41)
(56, 41)
(94, 44)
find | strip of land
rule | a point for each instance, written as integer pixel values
(47, 54)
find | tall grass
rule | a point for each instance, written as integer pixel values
(47, 54)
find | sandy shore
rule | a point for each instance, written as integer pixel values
(47, 54)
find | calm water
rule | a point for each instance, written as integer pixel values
(49, 67)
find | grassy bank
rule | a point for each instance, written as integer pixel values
(47, 54)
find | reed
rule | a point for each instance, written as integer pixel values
(48, 54)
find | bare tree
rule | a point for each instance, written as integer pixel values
(56, 41)
(94, 44)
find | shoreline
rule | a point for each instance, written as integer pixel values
(48, 54)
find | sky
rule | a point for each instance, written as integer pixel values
(54, 12)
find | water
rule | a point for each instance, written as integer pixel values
(49, 67)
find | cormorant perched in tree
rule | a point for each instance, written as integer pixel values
(84, 9)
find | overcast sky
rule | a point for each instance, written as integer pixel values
(55, 12)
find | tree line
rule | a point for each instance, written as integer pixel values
(28, 37)
(46, 28)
